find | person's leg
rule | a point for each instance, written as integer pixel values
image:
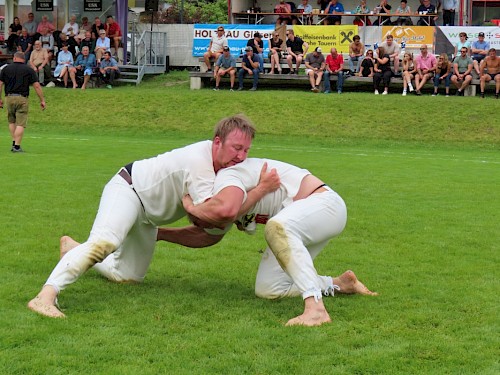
(206, 58)
(436, 84)
(340, 81)
(86, 79)
(217, 79)
(299, 61)
(358, 66)
(396, 65)
(64, 75)
(72, 75)
(261, 62)
(482, 82)
(232, 75)
(497, 85)
(255, 77)
(119, 210)
(273, 61)
(351, 63)
(289, 61)
(319, 78)
(447, 84)
(310, 74)
(306, 222)
(241, 76)
(454, 80)
(376, 81)
(466, 83)
(387, 80)
(326, 81)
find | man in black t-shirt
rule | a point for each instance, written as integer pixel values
(17, 78)
(296, 49)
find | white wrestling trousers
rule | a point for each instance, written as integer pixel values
(308, 226)
(120, 224)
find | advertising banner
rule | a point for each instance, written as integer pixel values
(237, 37)
(491, 34)
(413, 36)
(327, 37)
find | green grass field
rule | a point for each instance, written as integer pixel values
(420, 177)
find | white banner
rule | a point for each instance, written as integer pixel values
(491, 34)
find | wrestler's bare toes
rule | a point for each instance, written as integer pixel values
(41, 307)
(310, 319)
(66, 243)
(349, 284)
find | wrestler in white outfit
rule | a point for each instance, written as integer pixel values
(123, 236)
(309, 224)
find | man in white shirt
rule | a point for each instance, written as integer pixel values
(140, 197)
(216, 46)
(102, 45)
(300, 217)
(71, 28)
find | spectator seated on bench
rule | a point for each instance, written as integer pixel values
(65, 63)
(249, 65)
(84, 66)
(108, 70)
(39, 62)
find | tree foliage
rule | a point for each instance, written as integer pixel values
(191, 11)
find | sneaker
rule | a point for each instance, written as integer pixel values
(481, 95)
(418, 93)
(327, 92)
(315, 89)
(410, 86)
(50, 84)
(231, 89)
(434, 94)
(447, 95)
(339, 92)
(59, 79)
(292, 71)
(240, 88)
(109, 86)
(458, 93)
(216, 89)
(376, 92)
(17, 149)
(253, 89)
(404, 93)
(385, 92)
(496, 96)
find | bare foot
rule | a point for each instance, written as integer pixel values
(83, 87)
(310, 319)
(314, 314)
(349, 284)
(45, 303)
(66, 243)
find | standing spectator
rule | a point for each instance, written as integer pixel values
(114, 33)
(217, 43)
(275, 52)
(258, 47)
(45, 23)
(315, 66)
(336, 9)
(479, 51)
(31, 25)
(463, 42)
(24, 44)
(47, 41)
(97, 27)
(323, 4)
(426, 66)
(108, 70)
(249, 65)
(284, 10)
(385, 8)
(425, 8)
(64, 64)
(296, 49)
(443, 73)
(492, 64)
(404, 12)
(334, 64)
(409, 71)
(102, 45)
(226, 64)
(17, 78)
(15, 29)
(462, 68)
(71, 28)
(449, 8)
(392, 49)
(356, 53)
(382, 71)
(84, 65)
(39, 62)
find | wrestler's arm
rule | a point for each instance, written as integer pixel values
(190, 236)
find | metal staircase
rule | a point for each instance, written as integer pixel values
(146, 55)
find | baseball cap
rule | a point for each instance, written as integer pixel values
(481, 34)
(248, 48)
(318, 49)
(257, 35)
(226, 48)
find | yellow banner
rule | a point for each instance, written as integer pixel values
(327, 37)
(413, 36)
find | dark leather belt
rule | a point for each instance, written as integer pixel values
(126, 173)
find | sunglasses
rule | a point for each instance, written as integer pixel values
(423, 49)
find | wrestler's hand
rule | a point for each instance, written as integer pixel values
(268, 181)
(187, 202)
